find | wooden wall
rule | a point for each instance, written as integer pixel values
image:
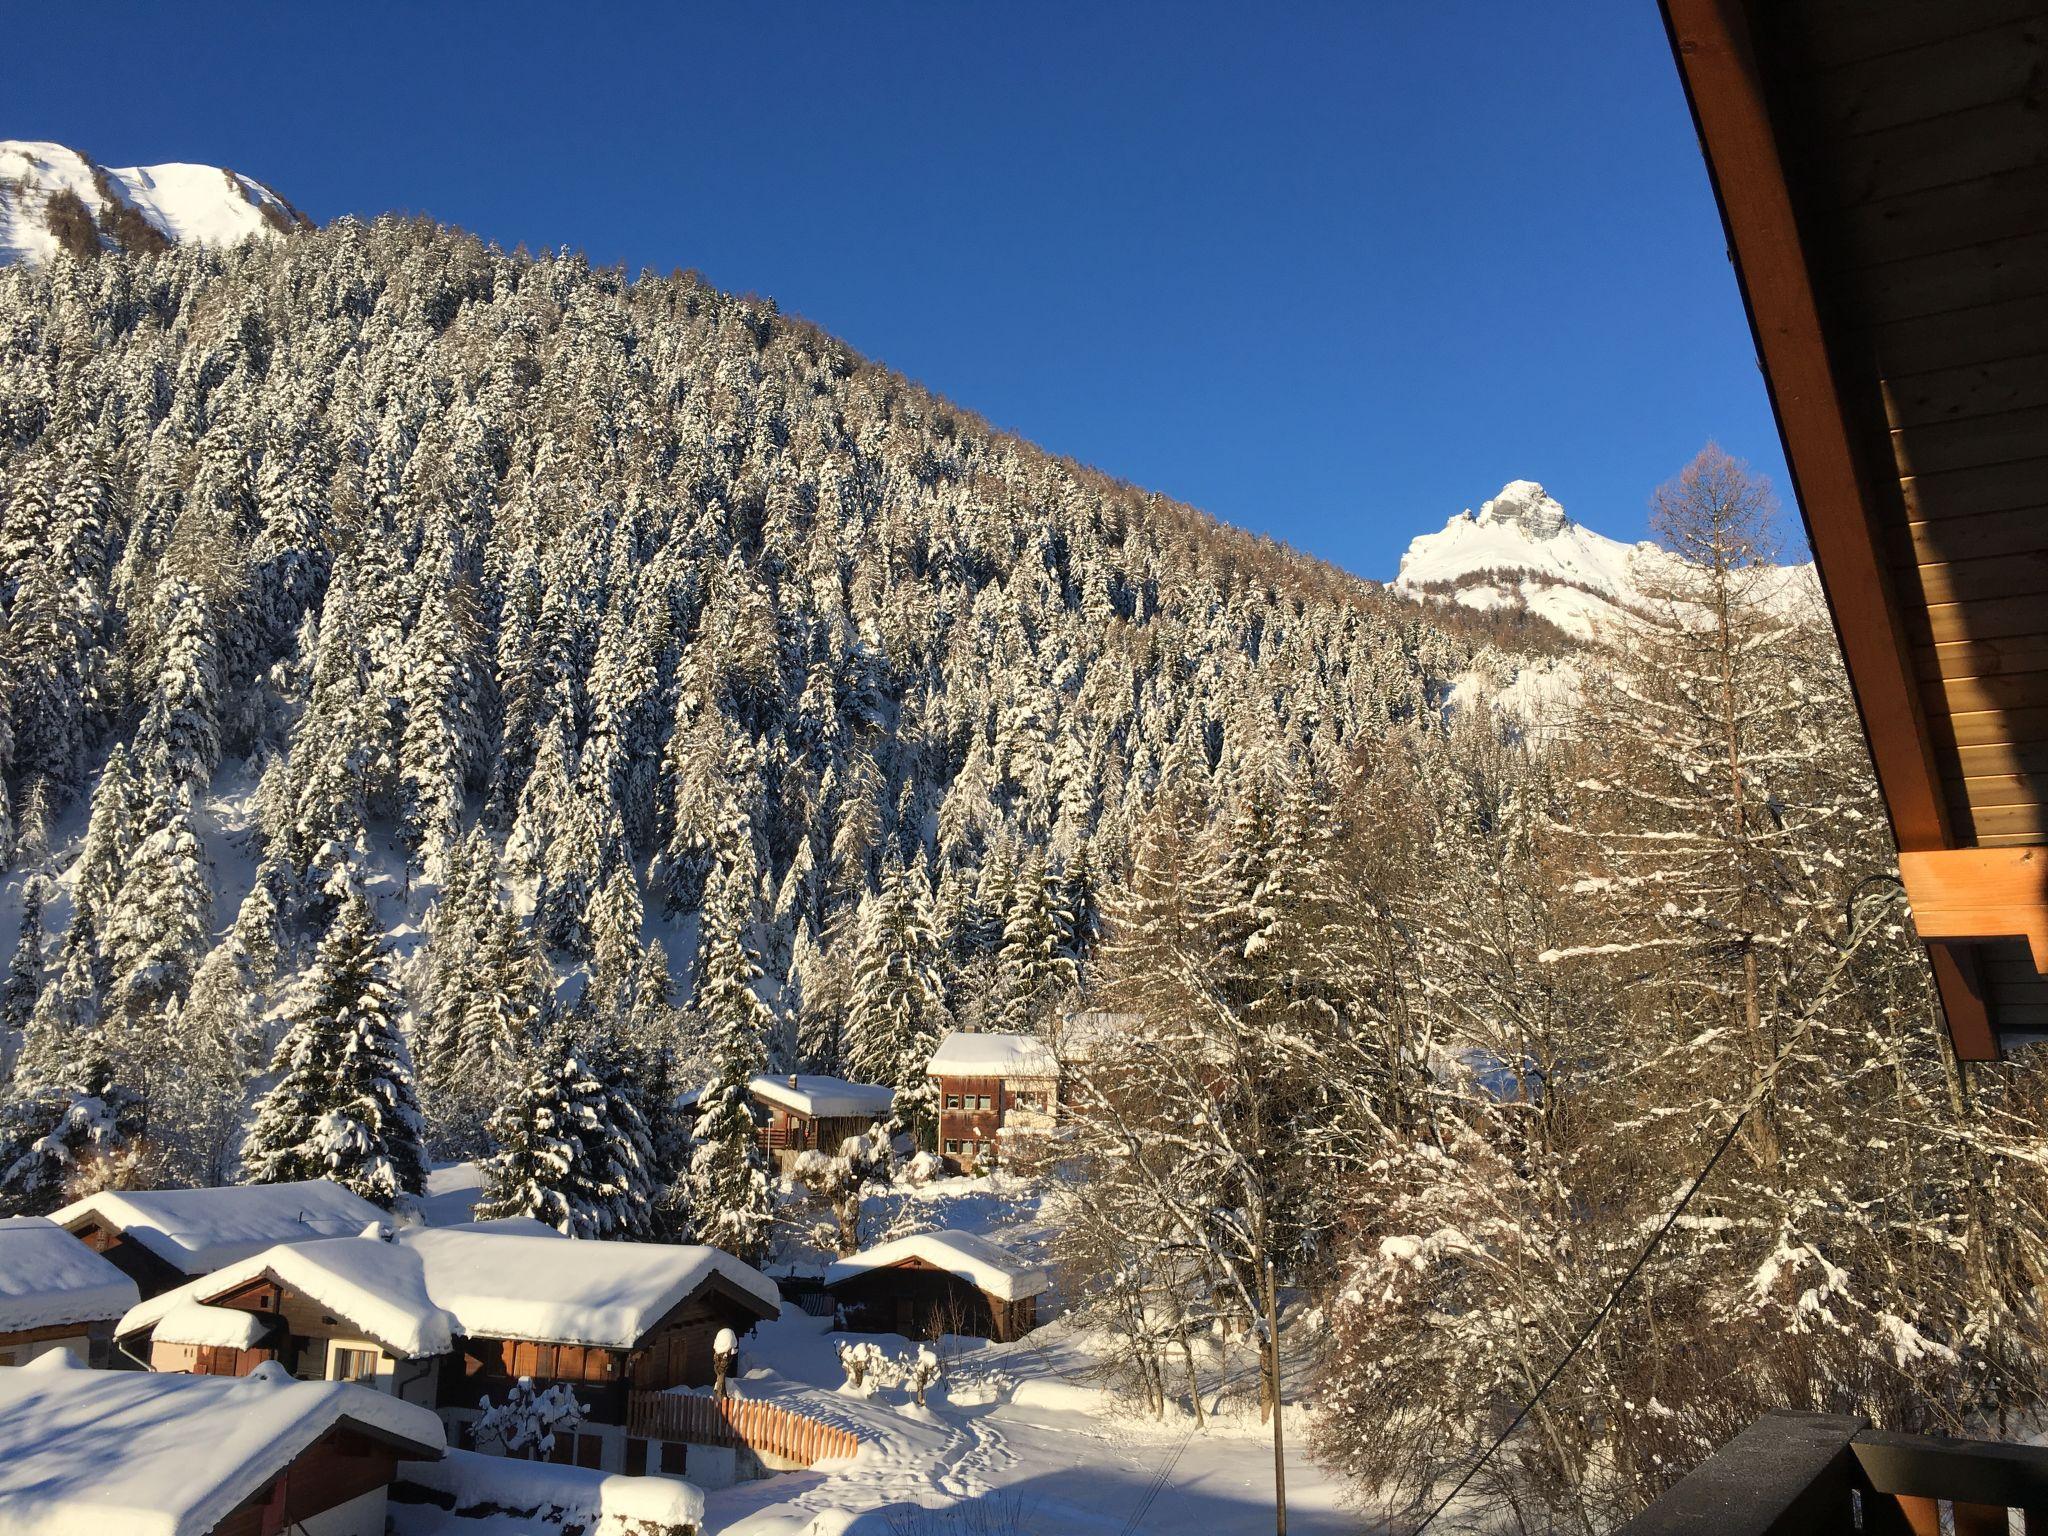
(1915, 139)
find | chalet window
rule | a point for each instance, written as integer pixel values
(353, 1365)
(952, 1101)
(983, 1101)
(953, 1147)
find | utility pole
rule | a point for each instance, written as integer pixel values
(1272, 1307)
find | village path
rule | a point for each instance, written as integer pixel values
(1018, 1440)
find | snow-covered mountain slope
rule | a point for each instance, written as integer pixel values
(1521, 550)
(44, 186)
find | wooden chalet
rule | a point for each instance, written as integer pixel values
(805, 1113)
(161, 1238)
(989, 1087)
(936, 1283)
(129, 1453)
(1882, 172)
(447, 1317)
(56, 1294)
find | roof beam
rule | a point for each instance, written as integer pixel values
(1710, 39)
(1980, 893)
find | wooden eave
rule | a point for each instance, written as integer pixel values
(1882, 172)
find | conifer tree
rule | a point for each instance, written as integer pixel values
(729, 1196)
(343, 1107)
(544, 1136)
(897, 1011)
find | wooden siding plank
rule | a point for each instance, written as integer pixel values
(1975, 389)
(1982, 658)
(2007, 206)
(2017, 574)
(2003, 757)
(1945, 75)
(1830, 33)
(2024, 530)
(2021, 821)
(1999, 727)
(2005, 691)
(1983, 619)
(1963, 146)
(1957, 338)
(2006, 789)
(1979, 442)
(2008, 487)
(1998, 271)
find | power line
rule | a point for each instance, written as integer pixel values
(1763, 1085)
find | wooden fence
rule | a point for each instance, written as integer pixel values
(760, 1427)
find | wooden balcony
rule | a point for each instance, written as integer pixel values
(1830, 1475)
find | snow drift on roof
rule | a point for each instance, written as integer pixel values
(967, 1053)
(558, 1291)
(604, 1503)
(192, 1322)
(48, 1277)
(135, 1453)
(417, 1292)
(967, 1254)
(197, 1230)
(825, 1097)
(380, 1287)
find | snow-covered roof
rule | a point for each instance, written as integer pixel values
(417, 1292)
(380, 1287)
(969, 1255)
(48, 1277)
(574, 1291)
(197, 1230)
(193, 1322)
(137, 1453)
(823, 1097)
(969, 1053)
(576, 1496)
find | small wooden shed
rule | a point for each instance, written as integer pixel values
(935, 1283)
(807, 1113)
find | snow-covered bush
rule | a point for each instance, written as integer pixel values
(526, 1423)
(921, 1372)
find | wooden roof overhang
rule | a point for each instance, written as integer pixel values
(1882, 172)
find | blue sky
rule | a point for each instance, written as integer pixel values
(1332, 272)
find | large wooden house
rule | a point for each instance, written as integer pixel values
(991, 1088)
(804, 1113)
(128, 1453)
(56, 1294)
(447, 1317)
(936, 1283)
(161, 1238)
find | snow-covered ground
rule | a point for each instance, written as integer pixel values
(1020, 1431)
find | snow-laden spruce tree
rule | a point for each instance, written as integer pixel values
(24, 979)
(547, 1137)
(729, 1198)
(343, 1107)
(896, 1012)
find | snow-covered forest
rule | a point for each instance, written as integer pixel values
(664, 676)
(452, 702)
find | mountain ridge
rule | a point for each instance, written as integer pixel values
(54, 198)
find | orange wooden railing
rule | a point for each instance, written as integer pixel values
(736, 1422)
